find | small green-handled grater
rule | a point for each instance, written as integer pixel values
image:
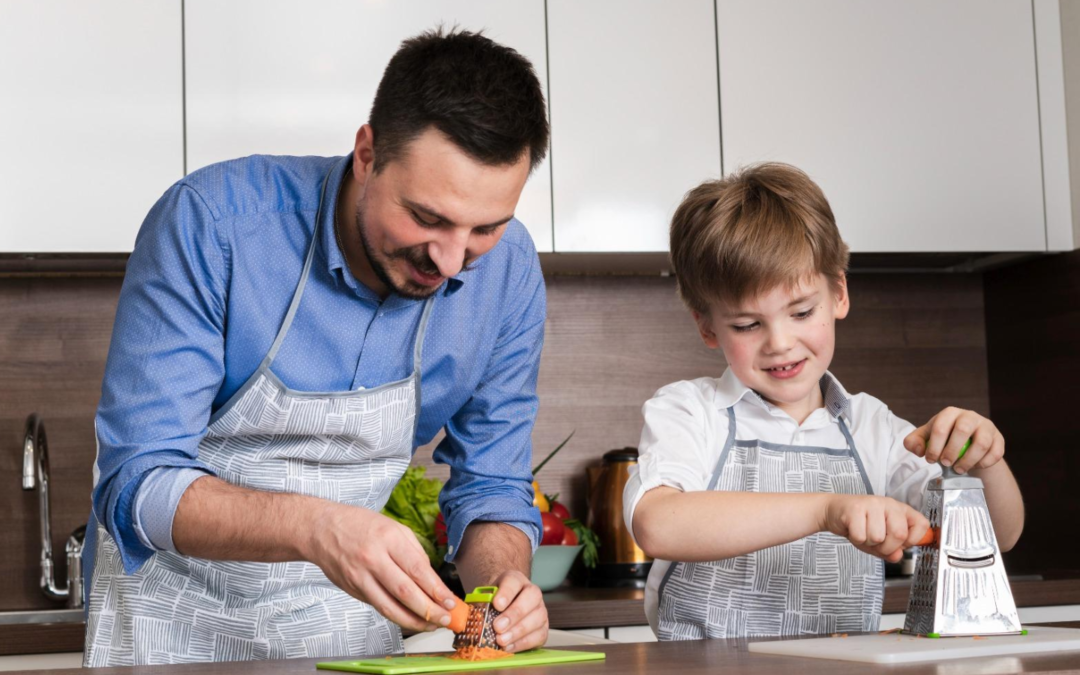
(479, 629)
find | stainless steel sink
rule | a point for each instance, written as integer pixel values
(42, 616)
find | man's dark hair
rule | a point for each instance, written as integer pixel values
(485, 97)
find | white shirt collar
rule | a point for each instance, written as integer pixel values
(730, 390)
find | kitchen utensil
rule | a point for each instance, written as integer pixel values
(440, 663)
(900, 648)
(960, 587)
(479, 629)
(621, 563)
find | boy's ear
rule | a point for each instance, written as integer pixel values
(842, 299)
(705, 329)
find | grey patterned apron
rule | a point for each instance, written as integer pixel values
(817, 585)
(351, 447)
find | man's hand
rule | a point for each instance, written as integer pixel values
(380, 562)
(940, 440)
(524, 621)
(880, 526)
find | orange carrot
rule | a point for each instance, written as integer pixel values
(459, 616)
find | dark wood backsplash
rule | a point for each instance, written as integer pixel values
(915, 341)
(1033, 341)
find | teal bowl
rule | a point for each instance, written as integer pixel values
(551, 564)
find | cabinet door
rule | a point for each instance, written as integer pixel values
(634, 118)
(91, 121)
(298, 78)
(918, 118)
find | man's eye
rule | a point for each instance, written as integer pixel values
(420, 221)
(745, 327)
(487, 231)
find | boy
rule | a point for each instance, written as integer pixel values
(772, 486)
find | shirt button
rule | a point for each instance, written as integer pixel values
(450, 549)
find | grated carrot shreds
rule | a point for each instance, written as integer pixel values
(479, 654)
(890, 631)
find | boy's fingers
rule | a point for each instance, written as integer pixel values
(963, 428)
(940, 429)
(981, 442)
(915, 442)
(996, 452)
(876, 533)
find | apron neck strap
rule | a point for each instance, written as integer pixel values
(299, 292)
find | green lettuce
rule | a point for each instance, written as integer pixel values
(414, 503)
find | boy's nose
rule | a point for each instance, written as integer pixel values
(779, 342)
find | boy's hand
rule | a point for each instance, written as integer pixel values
(940, 440)
(880, 526)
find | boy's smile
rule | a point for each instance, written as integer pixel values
(780, 342)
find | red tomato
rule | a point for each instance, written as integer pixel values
(553, 529)
(569, 538)
(440, 530)
(559, 510)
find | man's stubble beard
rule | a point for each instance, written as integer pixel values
(378, 262)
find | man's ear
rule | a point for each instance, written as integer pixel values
(841, 297)
(363, 162)
(705, 329)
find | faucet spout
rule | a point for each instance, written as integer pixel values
(36, 475)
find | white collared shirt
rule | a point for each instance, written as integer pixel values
(686, 426)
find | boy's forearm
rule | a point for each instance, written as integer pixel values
(1004, 501)
(700, 526)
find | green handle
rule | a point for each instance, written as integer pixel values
(964, 449)
(482, 594)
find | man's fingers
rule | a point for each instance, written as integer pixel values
(537, 638)
(386, 604)
(419, 569)
(397, 579)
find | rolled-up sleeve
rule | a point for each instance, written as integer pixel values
(488, 441)
(165, 365)
(679, 444)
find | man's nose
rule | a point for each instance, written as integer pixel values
(448, 252)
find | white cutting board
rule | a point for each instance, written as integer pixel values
(897, 648)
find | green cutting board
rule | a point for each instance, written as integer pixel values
(443, 664)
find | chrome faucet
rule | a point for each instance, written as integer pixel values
(36, 475)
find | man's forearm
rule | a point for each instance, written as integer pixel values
(216, 520)
(490, 549)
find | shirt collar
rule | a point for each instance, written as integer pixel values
(730, 390)
(335, 259)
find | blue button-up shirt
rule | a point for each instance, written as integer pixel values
(206, 289)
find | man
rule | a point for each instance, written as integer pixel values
(289, 330)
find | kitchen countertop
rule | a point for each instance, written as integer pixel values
(568, 609)
(659, 658)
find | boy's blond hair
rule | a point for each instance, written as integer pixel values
(763, 226)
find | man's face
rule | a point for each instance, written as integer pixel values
(431, 212)
(781, 342)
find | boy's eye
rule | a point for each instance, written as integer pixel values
(805, 315)
(743, 328)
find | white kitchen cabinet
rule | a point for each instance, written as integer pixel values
(918, 118)
(298, 78)
(634, 118)
(91, 120)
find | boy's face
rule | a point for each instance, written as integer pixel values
(781, 342)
